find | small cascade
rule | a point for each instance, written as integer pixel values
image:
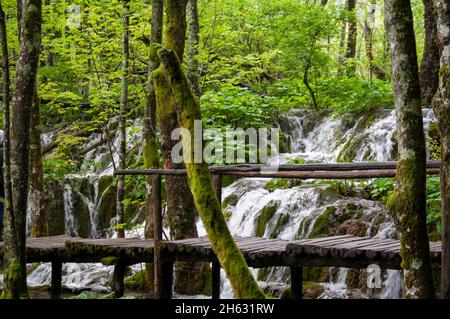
(70, 222)
(82, 200)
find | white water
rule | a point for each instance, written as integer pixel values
(321, 141)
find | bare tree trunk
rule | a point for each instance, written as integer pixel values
(36, 194)
(181, 212)
(409, 203)
(441, 106)
(193, 43)
(151, 147)
(350, 53)
(30, 43)
(429, 71)
(6, 178)
(374, 70)
(172, 87)
(122, 121)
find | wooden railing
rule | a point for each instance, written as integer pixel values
(362, 170)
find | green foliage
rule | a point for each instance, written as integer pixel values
(381, 188)
(55, 168)
(434, 204)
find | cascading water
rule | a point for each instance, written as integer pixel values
(290, 212)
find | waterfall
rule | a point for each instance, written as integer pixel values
(69, 218)
(291, 211)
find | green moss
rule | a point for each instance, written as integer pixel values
(321, 223)
(264, 217)
(109, 261)
(231, 200)
(282, 221)
(227, 214)
(315, 274)
(263, 273)
(281, 183)
(137, 281)
(207, 282)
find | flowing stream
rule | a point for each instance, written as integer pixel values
(254, 206)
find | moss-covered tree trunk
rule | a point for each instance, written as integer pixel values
(193, 42)
(6, 176)
(173, 86)
(441, 106)
(30, 43)
(120, 195)
(429, 70)
(350, 52)
(151, 146)
(39, 226)
(181, 211)
(409, 204)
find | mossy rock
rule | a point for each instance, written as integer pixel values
(231, 200)
(282, 183)
(264, 217)
(282, 221)
(312, 290)
(107, 207)
(54, 207)
(315, 274)
(263, 274)
(137, 281)
(320, 228)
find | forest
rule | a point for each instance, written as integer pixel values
(245, 149)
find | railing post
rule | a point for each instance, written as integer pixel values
(215, 282)
(296, 282)
(157, 236)
(56, 287)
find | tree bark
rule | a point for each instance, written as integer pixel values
(350, 53)
(6, 178)
(120, 209)
(409, 203)
(193, 43)
(441, 106)
(151, 147)
(36, 194)
(172, 85)
(181, 211)
(30, 43)
(429, 71)
(374, 69)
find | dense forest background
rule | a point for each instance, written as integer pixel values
(256, 59)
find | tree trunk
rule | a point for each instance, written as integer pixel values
(193, 42)
(173, 86)
(39, 227)
(151, 147)
(350, 53)
(441, 106)
(122, 121)
(30, 43)
(181, 211)
(409, 204)
(6, 176)
(374, 70)
(429, 71)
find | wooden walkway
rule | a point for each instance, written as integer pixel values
(338, 251)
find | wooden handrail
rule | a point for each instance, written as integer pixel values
(303, 171)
